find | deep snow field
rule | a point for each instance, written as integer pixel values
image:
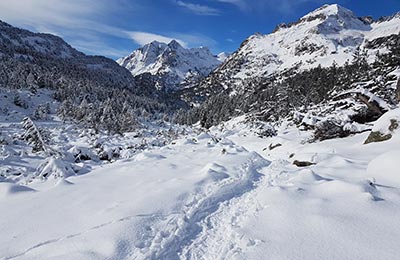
(218, 195)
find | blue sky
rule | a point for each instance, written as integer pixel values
(114, 28)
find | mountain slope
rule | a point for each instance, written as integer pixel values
(330, 35)
(330, 68)
(41, 53)
(173, 66)
(92, 90)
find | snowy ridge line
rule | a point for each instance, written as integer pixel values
(188, 226)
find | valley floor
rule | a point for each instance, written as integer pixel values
(222, 195)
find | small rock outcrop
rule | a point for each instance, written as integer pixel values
(303, 163)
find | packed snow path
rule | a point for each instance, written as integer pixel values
(198, 199)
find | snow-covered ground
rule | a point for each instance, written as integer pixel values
(227, 194)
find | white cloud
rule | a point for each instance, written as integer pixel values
(81, 23)
(195, 39)
(41, 12)
(282, 6)
(241, 4)
(199, 9)
(143, 38)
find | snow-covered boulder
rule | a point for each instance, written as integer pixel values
(385, 127)
(82, 154)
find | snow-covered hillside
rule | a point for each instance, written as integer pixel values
(331, 34)
(174, 66)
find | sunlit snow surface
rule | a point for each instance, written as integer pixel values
(202, 199)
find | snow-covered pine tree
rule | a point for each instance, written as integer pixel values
(34, 136)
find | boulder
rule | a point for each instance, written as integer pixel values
(385, 127)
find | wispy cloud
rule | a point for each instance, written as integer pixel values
(199, 9)
(282, 6)
(244, 5)
(143, 38)
(80, 23)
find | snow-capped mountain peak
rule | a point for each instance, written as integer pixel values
(336, 18)
(173, 66)
(174, 44)
(329, 10)
(329, 35)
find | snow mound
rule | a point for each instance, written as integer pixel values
(215, 171)
(147, 156)
(10, 189)
(308, 176)
(64, 182)
(385, 169)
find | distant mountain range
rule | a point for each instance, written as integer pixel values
(172, 66)
(326, 53)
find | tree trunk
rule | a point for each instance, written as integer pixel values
(398, 91)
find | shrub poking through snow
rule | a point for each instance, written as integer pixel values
(329, 129)
(57, 168)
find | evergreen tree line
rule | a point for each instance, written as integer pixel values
(93, 90)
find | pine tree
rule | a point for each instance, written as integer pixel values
(34, 136)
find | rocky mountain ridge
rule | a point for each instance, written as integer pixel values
(331, 35)
(172, 66)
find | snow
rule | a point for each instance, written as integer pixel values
(147, 208)
(385, 28)
(221, 194)
(10, 189)
(230, 192)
